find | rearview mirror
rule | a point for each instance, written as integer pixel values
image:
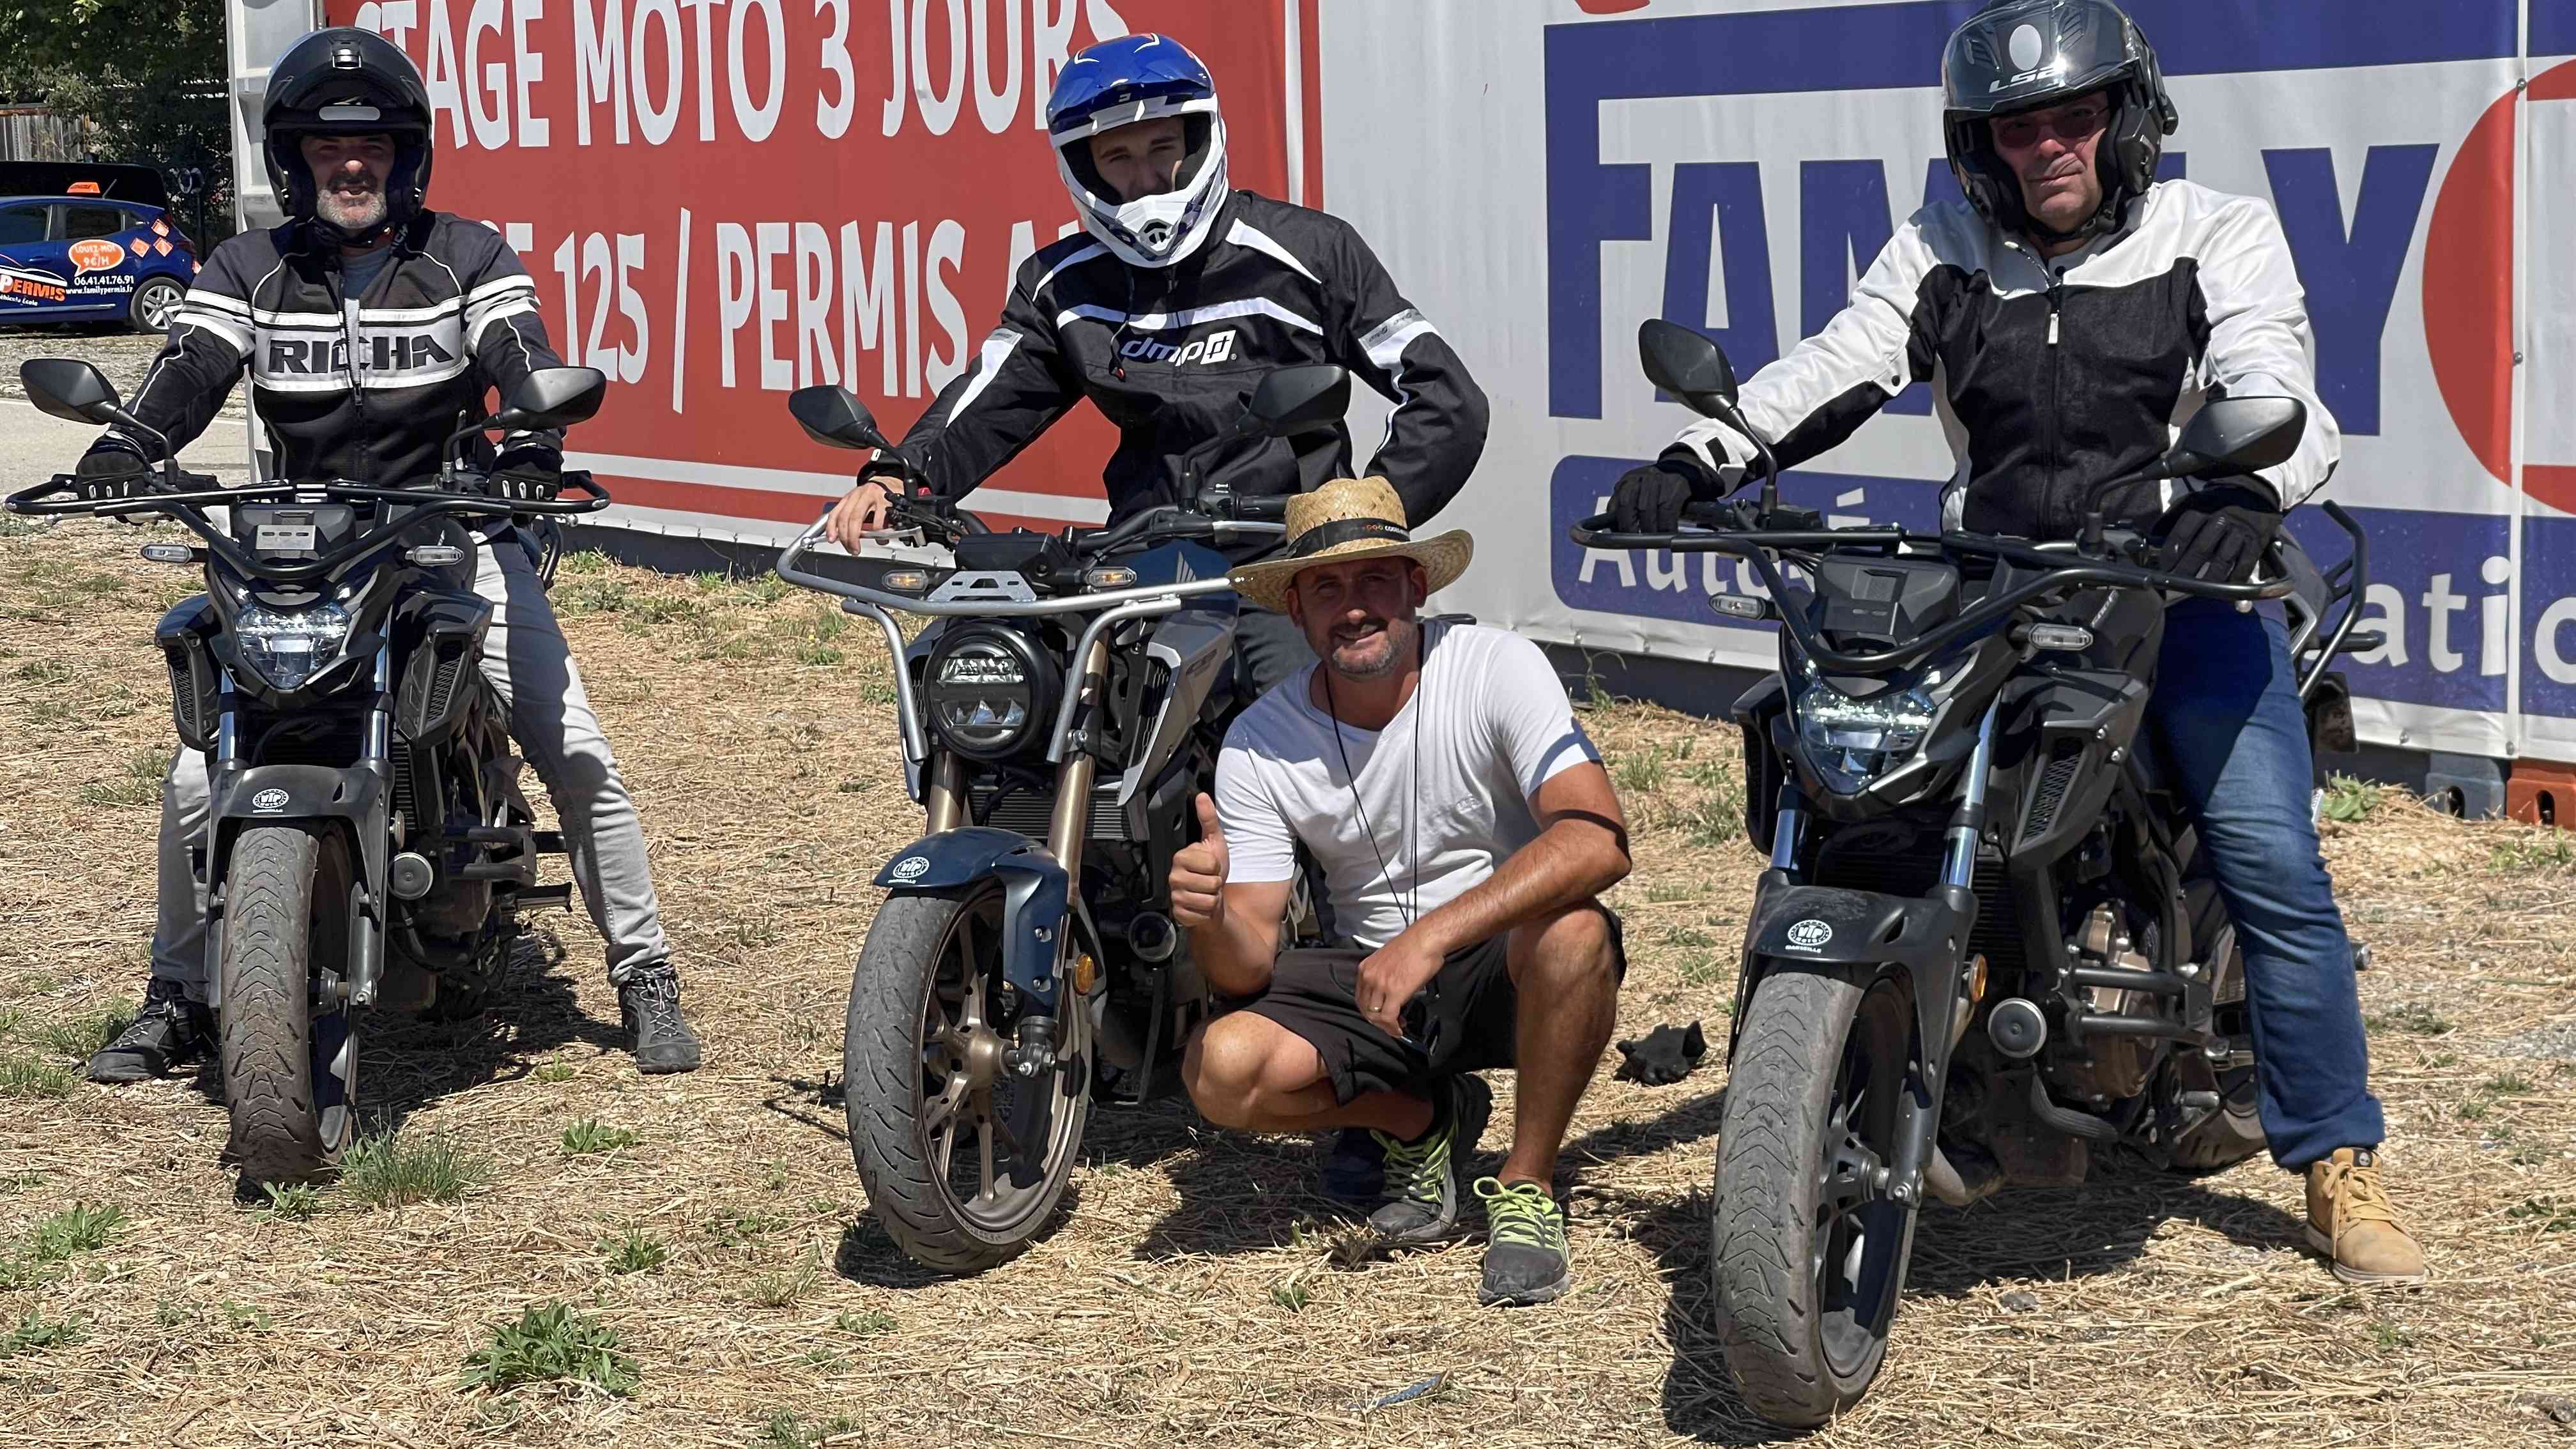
(1294, 400)
(554, 397)
(74, 391)
(1687, 365)
(834, 417)
(2237, 434)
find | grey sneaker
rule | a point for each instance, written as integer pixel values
(1526, 1260)
(649, 1006)
(168, 1031)
(1425, 1180)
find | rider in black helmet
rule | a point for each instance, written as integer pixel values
(372, 328)
(2070, 315)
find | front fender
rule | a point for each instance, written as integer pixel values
(1036, 893)
(355, 799)
(1841, 932)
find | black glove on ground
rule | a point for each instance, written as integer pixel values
(1650, 499)
(1666, 1055)
(2218, 533)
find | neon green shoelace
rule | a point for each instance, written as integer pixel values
(1524, 1213)
(1415, 1170)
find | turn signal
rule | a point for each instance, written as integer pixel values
(904, 581)
(169, 553)
(1109, 576)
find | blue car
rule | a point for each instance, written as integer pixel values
(91, 258)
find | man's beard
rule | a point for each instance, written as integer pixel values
(1389, 646)
(353, 211)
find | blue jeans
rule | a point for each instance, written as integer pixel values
(2226, 710)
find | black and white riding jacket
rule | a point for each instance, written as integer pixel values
(359, 388)
(1170, 354)
(2054, 375)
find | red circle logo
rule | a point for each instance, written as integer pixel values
(2468, 292)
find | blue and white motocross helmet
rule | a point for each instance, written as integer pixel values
(1118, 83)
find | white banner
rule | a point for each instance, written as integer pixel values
(1571, 167)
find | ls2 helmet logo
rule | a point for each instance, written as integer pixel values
(1810, 934)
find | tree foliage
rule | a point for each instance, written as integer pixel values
(149, 73)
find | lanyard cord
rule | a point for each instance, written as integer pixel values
(1413, 793)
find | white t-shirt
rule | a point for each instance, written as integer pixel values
(1443, 792)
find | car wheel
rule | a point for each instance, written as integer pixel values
(156, 302)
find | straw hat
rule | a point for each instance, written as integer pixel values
(1349, 518)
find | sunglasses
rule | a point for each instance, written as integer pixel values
(1421, 1029)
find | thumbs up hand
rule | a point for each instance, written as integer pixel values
(1198, 873)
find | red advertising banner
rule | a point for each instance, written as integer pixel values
(725, 200)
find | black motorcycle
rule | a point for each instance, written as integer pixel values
(366, 841)
(1058, 721)
(1987, 941)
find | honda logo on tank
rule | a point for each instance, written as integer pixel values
(725, 200)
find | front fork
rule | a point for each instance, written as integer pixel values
(1033, 1051)
(1945, 989)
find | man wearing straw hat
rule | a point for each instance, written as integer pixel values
(1466, 830)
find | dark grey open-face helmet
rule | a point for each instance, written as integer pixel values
(2024, 55)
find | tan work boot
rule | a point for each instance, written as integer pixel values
(2351, 1221)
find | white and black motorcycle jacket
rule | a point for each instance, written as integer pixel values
(1169, 354)
(2052, 376)
(360, 388)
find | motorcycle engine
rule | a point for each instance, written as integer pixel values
(2118, 1066)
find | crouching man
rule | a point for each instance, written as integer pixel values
(1465, 829)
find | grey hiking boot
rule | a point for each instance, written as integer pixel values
(1526, 1260)
(168, 1031)
(1425, 1180)
(649, 1006)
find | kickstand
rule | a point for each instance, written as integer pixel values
(1153, 1038)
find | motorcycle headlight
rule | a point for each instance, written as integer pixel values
(286, 646)
(1853, 741)
(987, 689)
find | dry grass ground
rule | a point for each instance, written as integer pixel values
(712, 1244)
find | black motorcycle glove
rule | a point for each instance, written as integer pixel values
(2218, 533)
(1650, 499)
(527, 472)
(1666, 1055)
(107, 471)
(107, 462)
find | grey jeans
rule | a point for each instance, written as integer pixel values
(1268, 647)
(526, 659)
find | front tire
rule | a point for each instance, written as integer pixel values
(1810, 1254)
(289, 1070)
(963, 1161)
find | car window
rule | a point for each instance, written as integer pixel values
(21, 224)
(83, 222)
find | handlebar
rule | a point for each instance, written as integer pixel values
(67, 493)
(2059, 572)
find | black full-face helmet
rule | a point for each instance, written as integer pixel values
(2026, 55)
(347, 82)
